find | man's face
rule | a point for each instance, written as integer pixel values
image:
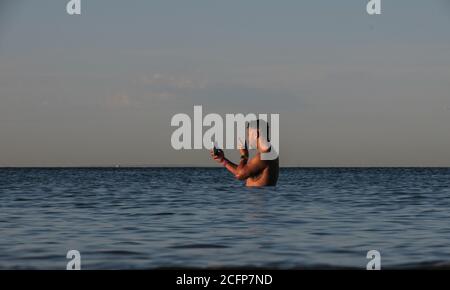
(252, 138)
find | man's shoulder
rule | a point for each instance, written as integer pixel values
(257, 160)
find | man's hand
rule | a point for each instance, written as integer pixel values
(243, 150)
(219, 157)
(244, 153)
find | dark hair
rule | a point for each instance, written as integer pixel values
(259, 124)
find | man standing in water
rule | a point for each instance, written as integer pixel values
(256, 171)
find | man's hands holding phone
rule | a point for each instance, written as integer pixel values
(217, 154)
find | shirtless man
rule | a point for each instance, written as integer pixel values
(256, 172)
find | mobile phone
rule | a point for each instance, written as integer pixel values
(216, 151)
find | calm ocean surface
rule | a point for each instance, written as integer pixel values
(197, 217)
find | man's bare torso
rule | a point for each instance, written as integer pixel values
(267, 177)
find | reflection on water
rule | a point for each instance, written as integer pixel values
(198, 217)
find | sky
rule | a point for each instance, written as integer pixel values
(100, 89)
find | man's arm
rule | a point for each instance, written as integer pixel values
(251, 168)
(244, 169)
(230, 166)
(233, 168)
(238, 170)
